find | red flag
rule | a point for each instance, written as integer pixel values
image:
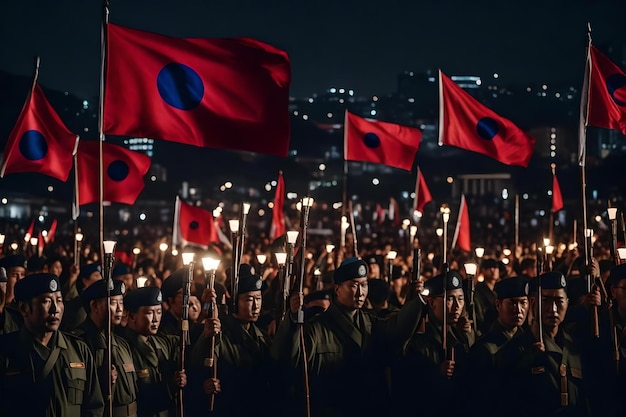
(380, 142)
(422, 193)
(123, 172)
(467, 124)
(278, 217)
(462, 232)
(41, 244)
(557, 198)
(607, 93)
(211, 93)
(379, 214)
(51, 232)
(394, 212)
(30, 231)
(193, 225)
(39, 141)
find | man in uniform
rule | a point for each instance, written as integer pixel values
(44, 372)
(76, 314)
(544, 368)
(15, 266)
(10, 319)
(427, 368)
(485, 297)
(242, 352)
(155, 357)
(172, 290)
(346, 349)
(94, 332)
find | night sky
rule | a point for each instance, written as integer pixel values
(361, 44)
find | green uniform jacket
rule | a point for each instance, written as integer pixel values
(70, 389)
(125, 387)
(536, 376)
(244, 368)
(485, 306)
(156, 394)
(345, 363)
(10, 320)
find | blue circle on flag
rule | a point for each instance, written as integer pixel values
(371, 140)
(194, 225)
(118, 170)
(615, 84)
(180, 86)
(487, 128)
(33, 145)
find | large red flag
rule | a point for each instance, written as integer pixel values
(380, 142)
(467, 124)
(607, 93)
(557, 198)
(211, 93)
(422, 193)
(123, 171)
(193, 225)
(39, 142)
(462, 232)
(278, 217)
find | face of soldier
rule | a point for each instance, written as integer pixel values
(553, 307)
(56, 268)
(14, 274)
(352, 293)
(194, 308)
(455, 301)
(373, 271)
(491, 274)
(146, 320)
(512, 311)
(44, 313)
(249, 306)
(99, 310)
(619, 294)
(93, 277)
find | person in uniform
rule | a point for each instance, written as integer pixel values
(93, 331)
(76, 314)
(512, 305)
(544, 367)
(378, 293)
(485, 297)
(399, 287)
(15, 266)
(10, 319)
(172, 290)
(346, 349)
(437, 374)
(43, 371)
(155, 356)
(242, 353)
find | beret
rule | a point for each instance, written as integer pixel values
(512, 287)
(89, 269)
(145, 296)
(120, 269)
(317, 295)
(351, 268)
(13, 260)
(35, 263)
(99, 290)
(554, 280)
(434, 285)
(618, 273)
(248, 279)
(34, 285)
(397, 272)
(174, 282)
(489, 263)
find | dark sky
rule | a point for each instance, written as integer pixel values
(359, 44)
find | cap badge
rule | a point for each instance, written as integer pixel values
(159, 297)
(258, 284)
(362, 271)
(53, 285)
(122, 288)
(455, 282)
(526, 289)
(563, 282)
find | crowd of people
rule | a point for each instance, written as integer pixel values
(330, 332)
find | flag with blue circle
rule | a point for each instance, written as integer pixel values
(466, 123)
(380, 142)
(39, 142)
(122, 170)
(607, 93)
(210, 93)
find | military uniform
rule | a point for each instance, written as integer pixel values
(485, 306)
(346, 355)
(155, 359)
(75, 312)
(125, 387)
(58, 379)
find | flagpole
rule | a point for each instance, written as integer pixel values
(582, 142)
(551, 226)
(103, 43)
(516, 220)
(344, 204)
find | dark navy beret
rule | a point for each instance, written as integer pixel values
(489, 263)
(512, 287)
(248, 279)
(435, 284)
(554, 280)
(146, 296)
(99, 290)
(120, 269)
(317, 295)
(351, 268)
(13, 260)
(174, 282)
(34, 285)
(618, 273)
(89, 269)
